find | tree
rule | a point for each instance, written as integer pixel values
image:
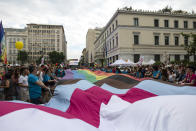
(167, 9)
(191, 47)
(38, 61)
(56, 57)
(180, 11)
(22, 56)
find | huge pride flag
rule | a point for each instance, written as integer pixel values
(84, 106)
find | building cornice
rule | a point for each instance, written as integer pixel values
(167, 47)
(157, 28)
(16, 35)
(15, 30)
(157, 13)
(44, 24)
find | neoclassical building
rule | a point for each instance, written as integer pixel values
(130, 34)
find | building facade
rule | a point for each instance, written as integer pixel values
(83, 58)
(43, 39)
(91, 36)
(11, 36)
(155, 35)
(38, 41)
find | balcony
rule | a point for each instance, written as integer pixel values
(99, 55)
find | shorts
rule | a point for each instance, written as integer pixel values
(24, 94)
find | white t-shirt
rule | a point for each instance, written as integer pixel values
(40, 76)
(23, 80)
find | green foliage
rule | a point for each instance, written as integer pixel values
(22, 56)
(191, 47)
(184, 62)
(56, 57)
(180, 12)
(38, 61)
(157, 63)
(167, 9)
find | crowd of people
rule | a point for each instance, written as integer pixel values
(32, 84)
(178, 74)
(35, 83)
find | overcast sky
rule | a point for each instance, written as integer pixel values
(77, 16)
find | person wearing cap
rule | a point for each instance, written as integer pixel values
(35, 86)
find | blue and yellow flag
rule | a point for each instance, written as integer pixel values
(3, 50)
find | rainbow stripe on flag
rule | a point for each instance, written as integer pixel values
(92, 76)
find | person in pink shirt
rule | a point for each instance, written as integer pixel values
(190, 79)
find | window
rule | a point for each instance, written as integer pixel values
(116, 41)
(186, 57)
(110, 60)
(113, 59)
(186, 40)
(110, 30)
(136, 22)
(194, 25)
(116, 23)
(136, 57)
(166, 23)
(166, 40)
(156, 40)
(156, 23)
(116, 57)
(177, 57)
(113, 42)
(113, 27)
(110, 45)
(176, 40)
(157, 57)
(136, 39)
(185, 24)
(194, 57)
(175, 24)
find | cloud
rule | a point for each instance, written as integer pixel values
(77, 16)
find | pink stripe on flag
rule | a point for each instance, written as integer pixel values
(8, 107)
(85, 105)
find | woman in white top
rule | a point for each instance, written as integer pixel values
(23, 84)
